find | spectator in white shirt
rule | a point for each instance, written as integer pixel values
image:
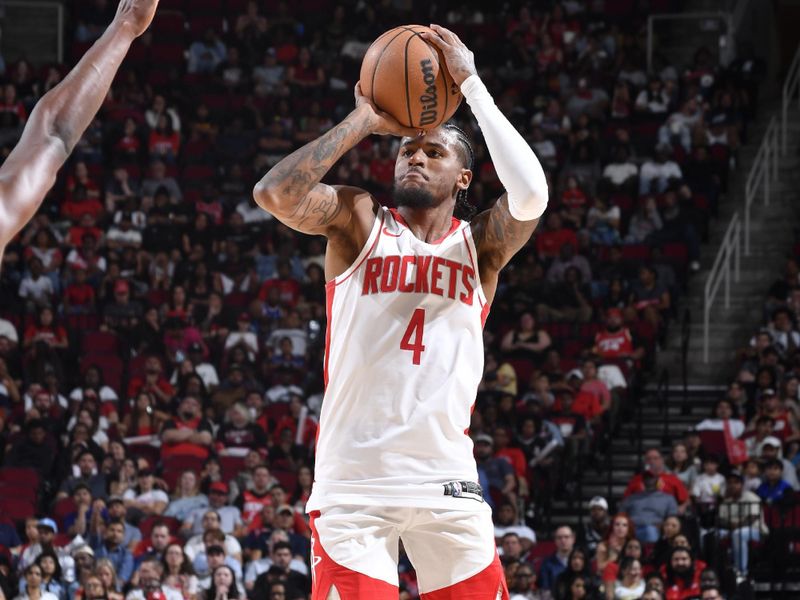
(709, 486)
(659, 171)
(243, 336)
(36, 288)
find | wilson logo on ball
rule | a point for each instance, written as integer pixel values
(429, 99)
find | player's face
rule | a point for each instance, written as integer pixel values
(429, 170)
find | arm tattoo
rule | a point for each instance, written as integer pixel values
(296, 175)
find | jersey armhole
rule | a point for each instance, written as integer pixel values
(473, 259)
(366, 250)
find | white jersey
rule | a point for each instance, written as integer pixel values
(404, 356)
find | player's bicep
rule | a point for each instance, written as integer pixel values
(499, 236)
(25, 178)
(319, 211)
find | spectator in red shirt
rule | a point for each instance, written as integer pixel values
(667, 482)
(188, 434)
(615, 340)
(79, 297)
(682, 579)
(288, 288)
(381, 167)
(153, 383)
(503, 449)
(164, 142)
(45, 331)
(549, 241)
(82, 195)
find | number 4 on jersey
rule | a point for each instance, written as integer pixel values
(412, 338)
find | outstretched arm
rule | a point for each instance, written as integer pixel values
(502, 230)
(61, 117)
(291, 190)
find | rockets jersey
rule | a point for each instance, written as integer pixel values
(404, 356)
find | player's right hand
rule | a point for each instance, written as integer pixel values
(382, 123)
(137, 13)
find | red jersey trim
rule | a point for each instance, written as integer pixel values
(361, 258)
(330, 290)
(454, 225)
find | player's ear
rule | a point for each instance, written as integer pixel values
(464, 179)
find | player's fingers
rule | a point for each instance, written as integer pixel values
(433, 39)
(446, 34)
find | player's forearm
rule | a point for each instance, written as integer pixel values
(68, 109)
(288, 182)
(517, 167)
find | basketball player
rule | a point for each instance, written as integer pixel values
(60, 118)
(408, 292)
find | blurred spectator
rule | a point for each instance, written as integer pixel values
(598, 526)
(740, 519)
(498, 472)
(187, 497)
(774, 487)
(649, 507)
(682, 575)
(556, 563)
(610, 547)
(150, 582)
(507, 521)
(113, 548)
(206, 54)
(188, 433)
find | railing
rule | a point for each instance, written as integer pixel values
(790, 88)
(726, 265)
(759, 181)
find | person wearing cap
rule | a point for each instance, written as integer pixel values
(498, 472)
(771, 449)
(188, 433)
(243, 336)
(596, 529)
(47, 531)
(740, 518)
(123, 314)
(111, 546)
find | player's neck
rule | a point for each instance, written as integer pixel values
(428, 224)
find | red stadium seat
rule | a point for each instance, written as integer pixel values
(636, 252)
(713, 442)
(677, 253)
(168, 54)
(62, 508)
(100, 342)
(287, 479)
(21, 476)
(183, 462)
(20, 491)
(175, 5)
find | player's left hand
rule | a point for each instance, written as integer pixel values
(138, 13)
(459, 59)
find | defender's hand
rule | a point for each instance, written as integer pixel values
(459, 59)
(382, 123)
(137, 13)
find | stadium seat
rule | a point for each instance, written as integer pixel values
(21, 476)
(100, 342)
(169, 23)
(230, 466)
(713, 442)
(287, 479)
(110, 366)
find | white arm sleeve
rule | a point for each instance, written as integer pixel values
(517, 166)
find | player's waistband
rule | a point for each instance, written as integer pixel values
(454, 495)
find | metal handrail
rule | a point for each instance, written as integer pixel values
(790, 87)
(728, 261)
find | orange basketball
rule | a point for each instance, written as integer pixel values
(405, 76)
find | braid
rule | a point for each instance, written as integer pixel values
(464, 210)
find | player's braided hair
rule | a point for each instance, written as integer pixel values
(463, 210)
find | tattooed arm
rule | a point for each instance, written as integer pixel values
(292, 191)
(498, 237)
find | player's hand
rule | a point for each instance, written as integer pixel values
(459, 59)
(137, 13)
(382, 123)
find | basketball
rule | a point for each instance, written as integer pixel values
(405, 76)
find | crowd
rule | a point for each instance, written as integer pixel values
(161, 336)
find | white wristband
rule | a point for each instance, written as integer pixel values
(517, 166)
